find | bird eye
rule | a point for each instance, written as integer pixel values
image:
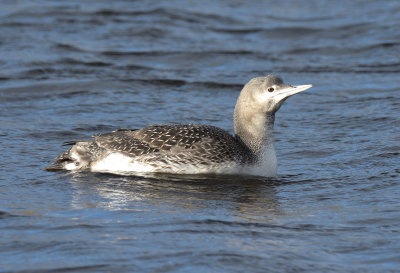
(271, 89)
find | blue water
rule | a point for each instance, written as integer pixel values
(71, 69)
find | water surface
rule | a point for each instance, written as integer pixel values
(69, 70)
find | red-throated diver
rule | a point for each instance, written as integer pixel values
(192, 149)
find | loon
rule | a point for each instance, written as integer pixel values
(190, 148)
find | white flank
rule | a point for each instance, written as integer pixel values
(119, 163)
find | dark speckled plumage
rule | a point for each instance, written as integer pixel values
(189, 144)
(216, 144)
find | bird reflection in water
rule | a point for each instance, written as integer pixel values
(243, 197)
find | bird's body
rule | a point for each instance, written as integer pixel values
(189, 149)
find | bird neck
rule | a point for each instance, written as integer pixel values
(255, 131)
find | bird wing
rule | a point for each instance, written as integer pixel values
(198, 140)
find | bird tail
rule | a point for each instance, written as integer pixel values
(60, 162)
(79, 157)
